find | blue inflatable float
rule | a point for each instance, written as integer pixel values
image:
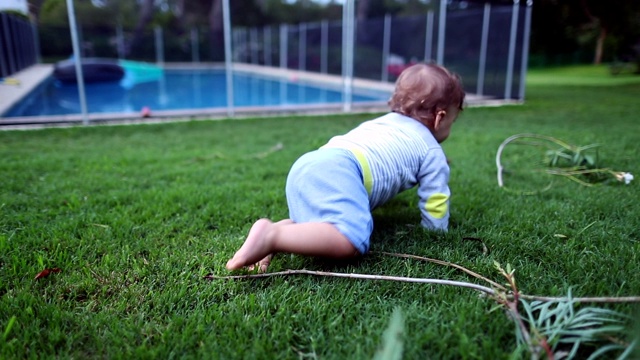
(93, 70)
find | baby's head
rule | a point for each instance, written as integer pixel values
(430, 94)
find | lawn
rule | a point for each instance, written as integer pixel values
(136, 217)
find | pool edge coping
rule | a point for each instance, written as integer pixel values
(22, 83)
(44, 71)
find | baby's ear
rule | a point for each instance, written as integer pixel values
(440, 114)
(429, 122)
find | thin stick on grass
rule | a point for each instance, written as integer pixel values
(481, 288)
(445, 263)
(515, 137)
(484, 289)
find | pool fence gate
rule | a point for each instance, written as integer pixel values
(19, 47)
(485, 41)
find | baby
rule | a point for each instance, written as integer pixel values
(332, 191)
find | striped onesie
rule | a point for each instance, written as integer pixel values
(356, 172)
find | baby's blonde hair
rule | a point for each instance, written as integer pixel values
(424, 89)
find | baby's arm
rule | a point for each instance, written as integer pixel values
(433, 191)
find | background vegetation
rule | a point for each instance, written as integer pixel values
(136, 216)
(563, 32)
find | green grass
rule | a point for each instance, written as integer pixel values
(136, 216)
(583, 75)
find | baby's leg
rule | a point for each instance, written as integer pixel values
(312, 239)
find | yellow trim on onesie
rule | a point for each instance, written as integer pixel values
(436, 205)
(366, 169)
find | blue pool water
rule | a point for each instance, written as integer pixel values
(175, 90)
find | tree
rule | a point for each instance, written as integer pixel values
(215, 24)
(576, 28)
(146, 13)
(34, 8)
(614, 17)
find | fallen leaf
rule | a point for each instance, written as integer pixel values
(46, 272)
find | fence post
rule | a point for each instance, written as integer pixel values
(159, 45)
(428, 38)
(483, 48)
(525, 49)
(386, 43)
(245, 34)
(6, 29)
(77, 56)
(284, 59)
(266, 36)
(18, 36)
(442, 23)
(4, 71)
(512, 49)
(253, 41)
(347, 52)
(227, 56)
(36, 42)
(237, 44)
(284, 39)
(302, 46)
(324, 46)
(120, 41)
(195, 45)
(18, 31)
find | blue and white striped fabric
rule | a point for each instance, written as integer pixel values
(397, 153)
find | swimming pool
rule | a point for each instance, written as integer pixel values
(179, 90)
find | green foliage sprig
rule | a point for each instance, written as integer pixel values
(392, 342)
(557, 330)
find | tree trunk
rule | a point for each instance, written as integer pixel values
(363, 10)
(215, 16)
(216, 30)
(180, 14)
(146, 12)
(34, 9)
(597, 59)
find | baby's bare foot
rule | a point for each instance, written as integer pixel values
(254, 249)
(262, 265)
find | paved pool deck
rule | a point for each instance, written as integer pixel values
(22, 83)
(17, 86)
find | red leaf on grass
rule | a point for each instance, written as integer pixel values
(46, 272)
